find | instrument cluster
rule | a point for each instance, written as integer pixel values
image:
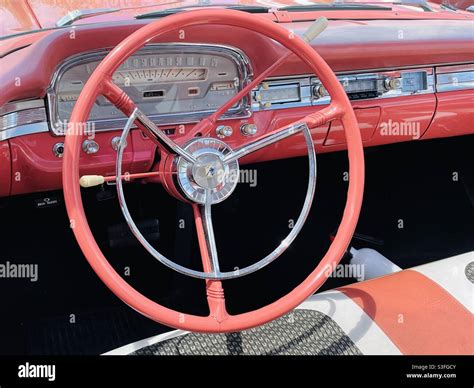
(170, 83)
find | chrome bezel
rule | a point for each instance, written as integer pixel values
(244, 68)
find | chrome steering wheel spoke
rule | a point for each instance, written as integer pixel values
(160, 137)
(265, 141)
(311, 121)
(209, 233)
(123, 102)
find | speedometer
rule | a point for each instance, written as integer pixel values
(144, 76)
(171, 83)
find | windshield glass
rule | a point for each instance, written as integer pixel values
(18, 16)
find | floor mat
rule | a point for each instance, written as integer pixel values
(301, 333)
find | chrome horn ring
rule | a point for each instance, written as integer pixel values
(229, 157)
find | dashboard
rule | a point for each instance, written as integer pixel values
(415, 96)
(171, 83)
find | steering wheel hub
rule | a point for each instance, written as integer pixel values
(208, 173)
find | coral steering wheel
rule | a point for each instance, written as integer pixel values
(206, 162)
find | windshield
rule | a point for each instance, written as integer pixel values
(31, 15)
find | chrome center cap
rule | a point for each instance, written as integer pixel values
(208, 173)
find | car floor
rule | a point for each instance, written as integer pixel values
(418, 207)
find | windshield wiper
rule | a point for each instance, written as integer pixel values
(79, 14)
(172, 11)
(335, 7)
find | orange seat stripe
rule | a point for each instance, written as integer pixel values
(418, 315)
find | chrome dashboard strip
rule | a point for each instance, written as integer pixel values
(20, 105)
(22, 118)
(462, 80)
(23, 130)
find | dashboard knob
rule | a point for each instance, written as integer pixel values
(115, 143)
(248, 129)
(90, 146)
(321, 91)
(392, 83)
(58, 150)
(224, 131)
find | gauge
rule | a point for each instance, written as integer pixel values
(143, 76)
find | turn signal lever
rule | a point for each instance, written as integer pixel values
(315, 29)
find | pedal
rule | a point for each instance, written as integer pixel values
(120, 235)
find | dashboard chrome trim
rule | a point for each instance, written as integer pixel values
(244, 68)
(20, 105)
(460, 80)
(307, 84)
(23, 130)
(21, 118)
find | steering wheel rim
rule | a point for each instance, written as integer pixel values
(99, 83)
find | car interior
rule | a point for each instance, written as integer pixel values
(250, 178)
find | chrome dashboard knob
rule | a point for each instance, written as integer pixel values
(392, 83)
(90, 146)
(115, 142)
(58, 150)
(224, 131)
(248, 129)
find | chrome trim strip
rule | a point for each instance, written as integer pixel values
(23, 130)
(239, 57)
(22, 117)
(21, 105)
(410, 67)
(461, 80)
